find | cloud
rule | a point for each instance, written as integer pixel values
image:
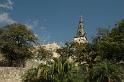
(4, 16)
(6, 19)
(35, 24)
(7, 5)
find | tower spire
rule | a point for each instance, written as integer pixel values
(80, 30)
(80, 35)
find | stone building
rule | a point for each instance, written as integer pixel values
(52, 47)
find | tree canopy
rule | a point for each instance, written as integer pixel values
(110, 43)
(16, 42)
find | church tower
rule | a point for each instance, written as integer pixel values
(80, 35)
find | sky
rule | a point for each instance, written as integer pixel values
(57, 20)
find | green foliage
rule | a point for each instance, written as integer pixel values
(30, 75)
(58, 71)
(78, 52)
(62, 70)
(43, 54)
(39, 74)
(104, 71)
(16, 42)
(110, 44)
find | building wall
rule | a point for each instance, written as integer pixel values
(11, 74)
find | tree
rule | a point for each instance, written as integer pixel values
(39, 74)
(42, 54)
(110, 43)
(80, 53)
(16, 42)
(104, 71)
(60, 70)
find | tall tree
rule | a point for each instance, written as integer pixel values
(16, 42)
(110, 43)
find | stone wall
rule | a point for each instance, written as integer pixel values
(11, 74)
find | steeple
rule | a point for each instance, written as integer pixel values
(80, 35)
(80, 30)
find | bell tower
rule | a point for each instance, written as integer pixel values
(80, 35)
